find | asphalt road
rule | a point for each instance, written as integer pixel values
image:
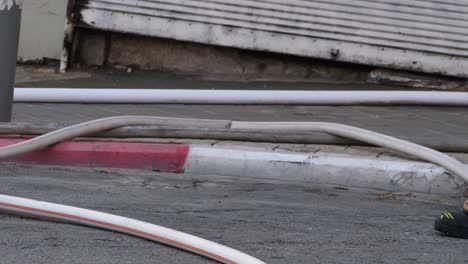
(278, 223)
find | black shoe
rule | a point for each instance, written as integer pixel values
(453, 224)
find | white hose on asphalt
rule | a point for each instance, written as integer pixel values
(172, 237)
(294, 97)
(125, 225)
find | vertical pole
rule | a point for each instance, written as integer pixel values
(10, 15)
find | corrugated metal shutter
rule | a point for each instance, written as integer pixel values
(428, 36)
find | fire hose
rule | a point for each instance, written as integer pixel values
(175, 238)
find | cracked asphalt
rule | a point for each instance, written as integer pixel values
(276, 222)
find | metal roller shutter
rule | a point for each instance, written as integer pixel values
(427, 36)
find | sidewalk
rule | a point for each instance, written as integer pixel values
(375, 167)
(430, 124)
(434, 124)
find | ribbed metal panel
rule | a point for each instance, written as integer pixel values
(421, 27)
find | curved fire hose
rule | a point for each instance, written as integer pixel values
(125, 225)
(171, 237)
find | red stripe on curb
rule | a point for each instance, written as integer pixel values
(154, 156)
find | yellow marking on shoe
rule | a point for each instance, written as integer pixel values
(446, 215)
(450, 215)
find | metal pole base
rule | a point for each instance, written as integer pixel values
(10, 19)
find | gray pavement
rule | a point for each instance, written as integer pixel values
(43, 76)
(441, 124)
(278, 223)
(434, 124)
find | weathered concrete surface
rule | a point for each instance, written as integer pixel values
(416, 80)
(222, 63)
(30, 73)
(126, 76)
(96, 43)
(375, 172)
(215, 62)
(275, 222)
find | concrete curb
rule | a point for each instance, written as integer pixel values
(332, 169)
(397, 175)
(153, 156)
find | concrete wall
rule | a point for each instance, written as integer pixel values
(100, 48)
(42, 29)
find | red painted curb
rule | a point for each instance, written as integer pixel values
(154, 156)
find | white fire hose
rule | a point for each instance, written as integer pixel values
(287, 97)
(125, 225)
(171, 237)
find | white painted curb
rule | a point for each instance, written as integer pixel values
(332, 169)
